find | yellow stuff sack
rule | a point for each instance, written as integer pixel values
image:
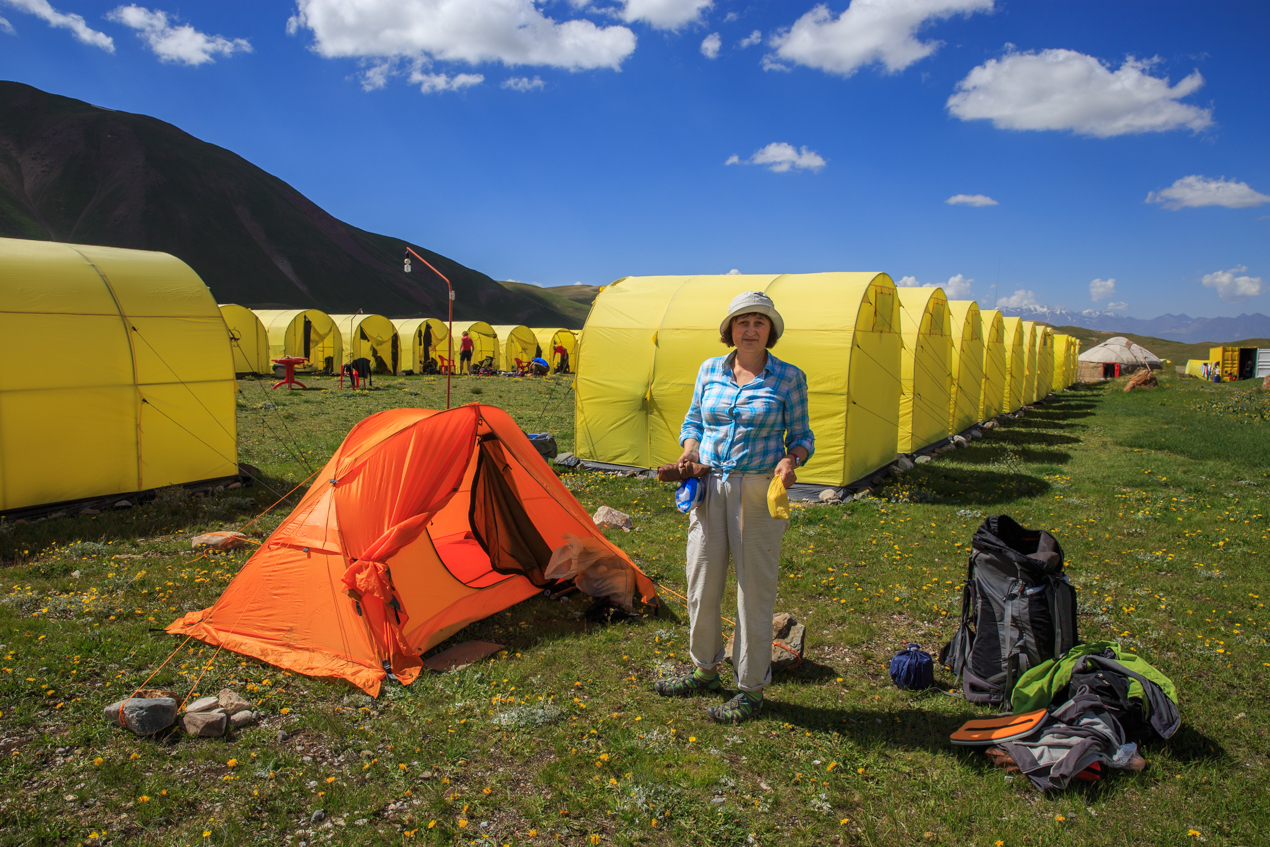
(777, 500)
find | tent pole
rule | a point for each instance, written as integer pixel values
(450, 340)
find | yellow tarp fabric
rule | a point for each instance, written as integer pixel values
(927, 367)
(966, 365)
(549, 338)
(1029, 359)
(516, 342)
(307, 333)
(372, 337)
(484, 341)
(1059, 382)
(1044, 361)
(1015, 363)
(411, 330)
(1195, 367)
(247, 339)
(992, 393)
(147, 401)
(646, 338)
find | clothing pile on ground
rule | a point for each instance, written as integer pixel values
(1017, 647)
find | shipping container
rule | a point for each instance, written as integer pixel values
(1263, 363)
(1236, 362)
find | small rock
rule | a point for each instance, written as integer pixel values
(426, 775)
(233, 485)
(904, 463)
(960, 441)
(238, 720)
(922, 460)
(205, 724)
(976, 433)
(609, 517)
(231, 701)
(57, 515)
(567, 460)
(202, 704)
(877, 480)
(861, 495)
(159, 692)
(318, 816)
(830, 495)
(282, 735)
(142, 715)
(631, 474)
(219, 541)
(90, 511)
(122, 504)
(74, 574)
(788, 637)
(990, 424)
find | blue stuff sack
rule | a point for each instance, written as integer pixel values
(688, 493)
(912, 669)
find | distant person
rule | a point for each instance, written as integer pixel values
(465, 353)
(427, 343)
(539, 366)
(562, 366)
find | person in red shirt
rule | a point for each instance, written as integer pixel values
(465, 354)
(562, 366)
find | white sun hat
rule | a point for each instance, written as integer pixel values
(754, 303)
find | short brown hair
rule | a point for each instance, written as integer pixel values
(772, 337)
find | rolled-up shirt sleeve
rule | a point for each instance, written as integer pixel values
(693, 426)
(797, 421)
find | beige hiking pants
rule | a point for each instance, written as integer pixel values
(732, 521)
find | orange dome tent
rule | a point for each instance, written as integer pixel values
(420, 524)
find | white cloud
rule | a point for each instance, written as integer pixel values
(63, 20)
(780, 157)
(734, 272)
(970, 200)
(770, 64)
(1102, 289)
(710, 46)
(523, 84)
(432, 83)
(869, 31)
(7, 27)
(1118, 306)
(755, 37)
(664, 14)
(1066, 90)
(956, 288)
(182, 44)
(1234, 285)
(1196, 191)
(418, 32)
(1017, 300)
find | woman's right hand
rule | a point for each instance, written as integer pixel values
(691, 453)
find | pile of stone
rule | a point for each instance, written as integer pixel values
(154, 710)
(788, 641)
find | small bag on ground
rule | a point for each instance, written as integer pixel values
(912, 669)
(1017, 610)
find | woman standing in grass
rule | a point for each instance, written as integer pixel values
(748, 422)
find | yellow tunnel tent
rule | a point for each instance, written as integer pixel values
(992, 393)
(422, 341)
(927, 369)
(304, 333)
(966, 365)
(516, 342)
(1044, 361)
(1059, 381)
(549, 339)
(1029, 357)
(247, 339)
(150, 400)
(1015, 364)
(646, 338)
(484, 343)
(371, 337)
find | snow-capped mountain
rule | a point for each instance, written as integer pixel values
(1172, 327)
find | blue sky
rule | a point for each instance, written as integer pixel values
(1099, 152)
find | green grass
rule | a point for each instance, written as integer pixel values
(572, 301)
(1159, 499)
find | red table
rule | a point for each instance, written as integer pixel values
(290, 362)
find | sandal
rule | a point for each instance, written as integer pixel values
(740, 708)
(687, 685)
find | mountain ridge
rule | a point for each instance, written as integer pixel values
(1181, 328)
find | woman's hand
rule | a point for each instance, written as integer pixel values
(785, 470)
(691, 453)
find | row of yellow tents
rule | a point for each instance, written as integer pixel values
(889, 370)
(392, 345)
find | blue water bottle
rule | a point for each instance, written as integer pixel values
(687, 493)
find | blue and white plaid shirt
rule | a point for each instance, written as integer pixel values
(748, 428)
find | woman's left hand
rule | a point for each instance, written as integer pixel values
(785, 470)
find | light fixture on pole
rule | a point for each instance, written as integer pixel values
(450, 339)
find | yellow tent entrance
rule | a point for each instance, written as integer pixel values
(646, 338)
(413, 333)
(966, 365)
(549, 339)
(248, 340)
(517, 342)
(371, 337)
(927, 373)
(992, 394)
(484, 343)
(149, 403)
(304, 333)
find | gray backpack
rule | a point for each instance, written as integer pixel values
(1017, 610)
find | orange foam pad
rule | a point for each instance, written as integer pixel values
(987, 731)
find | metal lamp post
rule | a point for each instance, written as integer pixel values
(450, 339)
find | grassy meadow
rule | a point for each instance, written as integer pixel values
(1160, 499)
